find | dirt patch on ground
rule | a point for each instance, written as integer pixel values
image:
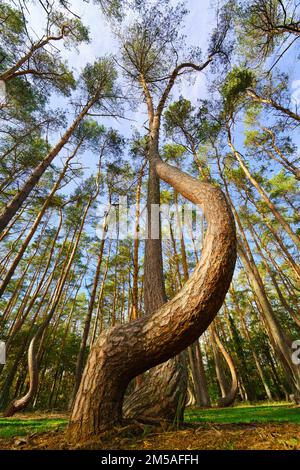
(203, 437)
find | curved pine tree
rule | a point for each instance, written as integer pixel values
(128, 350)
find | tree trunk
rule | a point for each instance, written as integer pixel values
(228, 392)
(14, 205)
(154, 297)
(158, 399)
(136, 243)
(263, 194)
(87, 324)
(222, 380)
(33, 354)
(252, 348)
(198, 374)
(284, 251)
(128, 350)
(279, 340)
(281, 297)
(245, 376)
(34, 227)
(194, 352)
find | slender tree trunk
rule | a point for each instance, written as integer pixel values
(135, 292)
(18, 288)
(263, 194)
(245, 378)
(134, 311)
(29, 300)
(281, 297)
(194, 352)
(87, 322)
(228, 392)
(253, 351)
(280, 342)
(14, 205)
(22, 402)
(36, 223)
(222, 380)
(283, 249)
(99, 316)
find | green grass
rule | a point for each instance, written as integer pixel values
(22, 427)
(266, 413)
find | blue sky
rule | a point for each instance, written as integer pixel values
(198, 26)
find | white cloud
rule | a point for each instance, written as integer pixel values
(103, 42)
(296, 92)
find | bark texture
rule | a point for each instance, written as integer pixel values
(128, 350)
(157, 399)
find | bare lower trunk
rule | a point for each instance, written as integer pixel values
(161, 395)
(198, 374)
(228, 397)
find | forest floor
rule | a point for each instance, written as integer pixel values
(265, 426)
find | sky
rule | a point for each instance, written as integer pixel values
(198, 26)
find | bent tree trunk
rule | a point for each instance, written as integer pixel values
(128, 350)
(228, 395)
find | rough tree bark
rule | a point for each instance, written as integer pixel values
(128, 350)
(144, 404)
